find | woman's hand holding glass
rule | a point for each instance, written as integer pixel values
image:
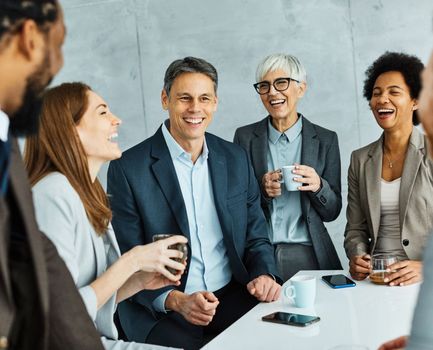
(154, 258)
(360, 266)
(407, 272)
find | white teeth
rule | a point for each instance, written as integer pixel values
(385, 110)
(193, 121)
(113, 136)
(274, 102)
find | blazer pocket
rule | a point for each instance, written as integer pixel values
(237, 199)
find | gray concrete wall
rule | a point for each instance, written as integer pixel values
(122, 48)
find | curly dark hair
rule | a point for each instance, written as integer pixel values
(409, 66)
(14, 12)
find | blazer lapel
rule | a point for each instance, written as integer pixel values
(4, 238)
(309, 152)
(21, 190)
(372, 176)
(414, 156)
(113, 241)
(259, 147)
(165, 174)
(217, 170)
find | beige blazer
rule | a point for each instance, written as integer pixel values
(363, 199)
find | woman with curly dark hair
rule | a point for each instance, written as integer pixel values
(390, 180)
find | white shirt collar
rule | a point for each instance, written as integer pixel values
(4, 126)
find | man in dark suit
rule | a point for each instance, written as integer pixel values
(286, 138)
(40, 307)
(185, 181)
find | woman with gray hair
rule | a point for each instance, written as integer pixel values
(286, 140)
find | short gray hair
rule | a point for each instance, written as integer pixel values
(288, 63)
(189, 65)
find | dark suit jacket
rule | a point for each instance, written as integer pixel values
(319, 151)
(63, 318)
(146, 199)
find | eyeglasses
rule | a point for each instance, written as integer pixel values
(279, 84)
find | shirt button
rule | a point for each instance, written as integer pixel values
(3, 342)
(405, 242)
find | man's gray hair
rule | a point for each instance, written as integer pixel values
(288, 63)
(189, 65)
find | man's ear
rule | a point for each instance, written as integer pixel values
(164, 99)
(31, 41)
(415, 105)
(216, 104)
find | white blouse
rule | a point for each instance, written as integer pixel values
(389, 236)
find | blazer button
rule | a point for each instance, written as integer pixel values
(405, 242)
(3, 342)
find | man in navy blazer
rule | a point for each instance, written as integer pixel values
(183, 180)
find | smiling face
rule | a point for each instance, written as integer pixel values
(191, 105)
(391, 103)
(97, 130)
(282, 105)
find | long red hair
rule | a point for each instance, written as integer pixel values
(57, 147)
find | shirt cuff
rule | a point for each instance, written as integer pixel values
(159, 303)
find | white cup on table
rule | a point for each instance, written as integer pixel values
(301, 291)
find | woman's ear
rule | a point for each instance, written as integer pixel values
(302, 88)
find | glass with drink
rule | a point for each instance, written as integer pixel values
(379, 264)
(182, 247)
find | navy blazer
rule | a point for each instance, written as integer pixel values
(146, 199)
(320, 151)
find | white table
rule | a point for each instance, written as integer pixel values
(366, 314)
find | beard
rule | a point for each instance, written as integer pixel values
(25, 121)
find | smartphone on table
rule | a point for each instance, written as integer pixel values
(338, 281)
(291, 319)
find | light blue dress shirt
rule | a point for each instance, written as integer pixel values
(209, 267)
(4, 126)
(287, 224)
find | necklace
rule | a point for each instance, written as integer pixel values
(391, 162)
(387, 158)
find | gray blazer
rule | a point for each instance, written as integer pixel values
(62, 217)
(421, 336)
(319, 150)
(363, 199)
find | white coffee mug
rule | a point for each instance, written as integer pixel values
(287, 178)
(301, 290)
